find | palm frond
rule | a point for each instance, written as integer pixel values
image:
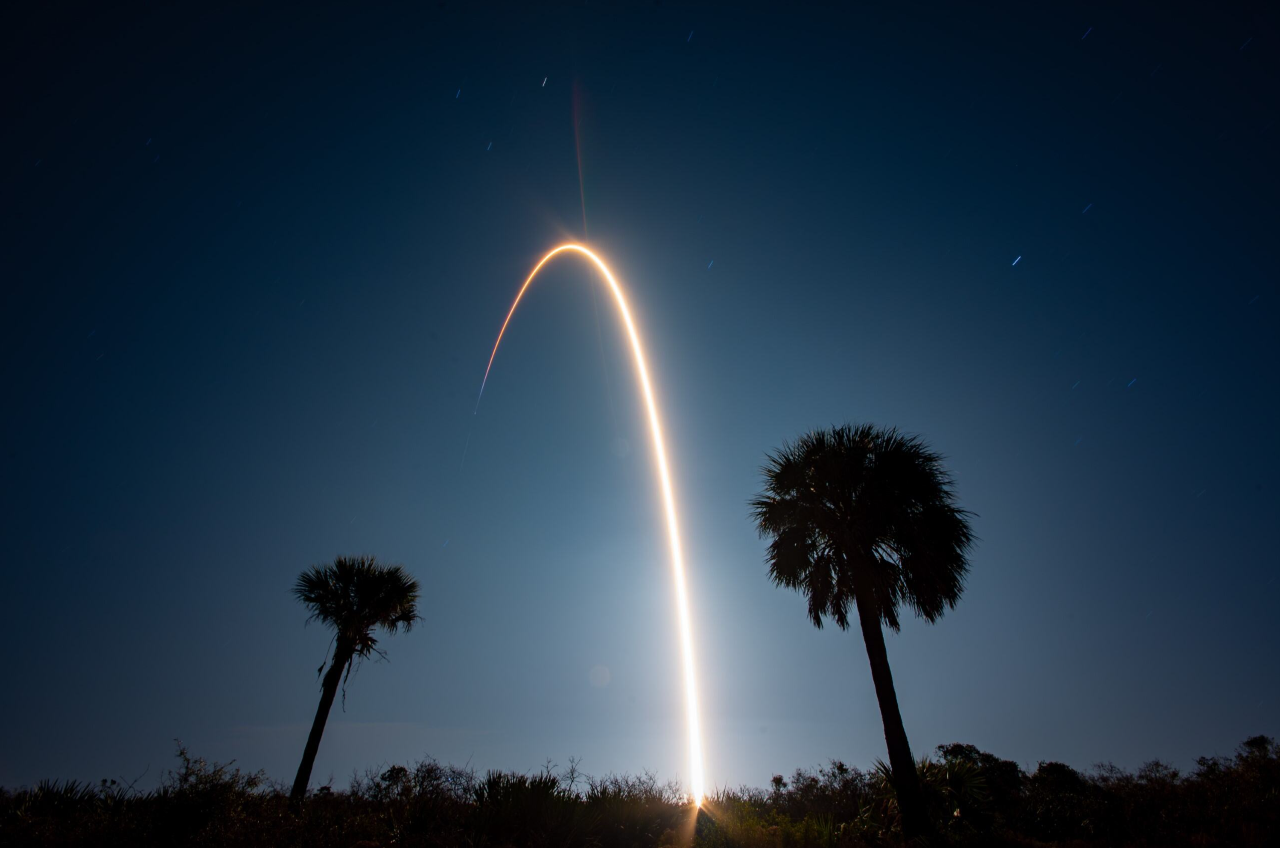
(867, 507)
(356, 595)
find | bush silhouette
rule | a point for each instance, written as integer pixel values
(973, 799)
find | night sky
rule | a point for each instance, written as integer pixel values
(254, 262)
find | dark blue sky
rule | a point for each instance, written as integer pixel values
(254, 262)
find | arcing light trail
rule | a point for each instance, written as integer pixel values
(668, 497)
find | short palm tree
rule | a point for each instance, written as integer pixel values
(864, 517)
(353, 595)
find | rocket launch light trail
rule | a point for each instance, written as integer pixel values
(697, 784)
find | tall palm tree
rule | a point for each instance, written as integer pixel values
(354, 596)
(865, 517)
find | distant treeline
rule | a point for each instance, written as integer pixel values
(972, 797)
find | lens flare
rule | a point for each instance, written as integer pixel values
(668, 497)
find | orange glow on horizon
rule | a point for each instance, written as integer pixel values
(668, 498)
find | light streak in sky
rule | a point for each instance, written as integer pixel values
(577, 145)
(697, 783)
(1016, 261)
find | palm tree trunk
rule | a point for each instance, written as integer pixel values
(342, 655)
(906, 783)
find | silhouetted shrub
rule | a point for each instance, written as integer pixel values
(975, 799)
(1003, 782)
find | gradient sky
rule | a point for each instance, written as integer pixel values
(254, 263)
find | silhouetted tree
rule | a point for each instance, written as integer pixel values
(354, 596)
(866, 517)
(1002, 781)
(1061, 805)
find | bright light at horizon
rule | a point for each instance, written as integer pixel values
(697, 784)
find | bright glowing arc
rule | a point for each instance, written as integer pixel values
(668, 498)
